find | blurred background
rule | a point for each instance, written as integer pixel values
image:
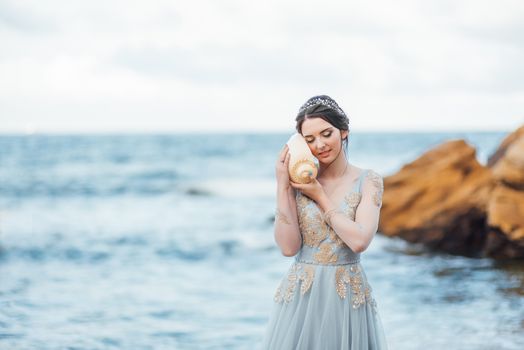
(137, 151)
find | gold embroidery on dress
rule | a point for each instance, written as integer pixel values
(352, 200)
(351, 213)
(313, 229)
(278, 294)
(378, 183)
(325, 254)
(307, 278)
(360, 293)
(302, 201)
(341, 278)
(297, 273)
(291, 280)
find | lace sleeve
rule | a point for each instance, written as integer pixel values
(368, 211)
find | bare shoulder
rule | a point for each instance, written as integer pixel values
(355, 171)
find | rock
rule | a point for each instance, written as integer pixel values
(506, 212)
(506, 204)
(517, 134)
(449, 201)
(509, 169)
(439, 199)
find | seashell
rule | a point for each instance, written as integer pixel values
(302, 166)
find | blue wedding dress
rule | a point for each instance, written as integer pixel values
(325, 302)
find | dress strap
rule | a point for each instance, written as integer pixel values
(359, 183)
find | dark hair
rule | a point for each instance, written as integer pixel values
(329, 111)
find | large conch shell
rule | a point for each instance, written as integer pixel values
(302, 167)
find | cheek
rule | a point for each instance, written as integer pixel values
(332, 140)
(335, 144)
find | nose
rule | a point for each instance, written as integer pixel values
(320, 145)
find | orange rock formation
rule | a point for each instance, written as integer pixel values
(449, 201)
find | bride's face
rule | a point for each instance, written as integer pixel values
(324, 140)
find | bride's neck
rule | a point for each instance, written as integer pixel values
(338, 168)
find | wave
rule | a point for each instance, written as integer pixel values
(232, 187)
(136, 248)
(89, 184)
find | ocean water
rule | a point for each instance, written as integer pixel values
(166, 242)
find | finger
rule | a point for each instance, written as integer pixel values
(288, 157)
(296, 185)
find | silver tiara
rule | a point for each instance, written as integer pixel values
(322, 101)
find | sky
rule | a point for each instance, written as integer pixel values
(231, 65)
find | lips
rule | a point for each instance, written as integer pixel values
(323, 154)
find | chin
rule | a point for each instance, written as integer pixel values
(327, 160)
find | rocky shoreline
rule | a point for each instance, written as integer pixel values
(450, 202)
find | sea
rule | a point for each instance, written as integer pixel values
(165, 241)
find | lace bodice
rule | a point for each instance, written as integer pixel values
(320, 243)
(323, 250)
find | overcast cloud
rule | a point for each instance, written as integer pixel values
(240, 65)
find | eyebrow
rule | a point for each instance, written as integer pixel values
(330, 128)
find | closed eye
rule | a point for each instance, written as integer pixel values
(325, 135)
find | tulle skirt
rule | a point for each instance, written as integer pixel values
(324, 307)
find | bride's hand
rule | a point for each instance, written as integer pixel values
(281, 167)
(313, 190)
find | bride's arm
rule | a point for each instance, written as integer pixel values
(358, 234)
(286, 229)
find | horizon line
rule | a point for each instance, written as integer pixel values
(241, 131)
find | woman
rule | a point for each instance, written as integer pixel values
(325, 300)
